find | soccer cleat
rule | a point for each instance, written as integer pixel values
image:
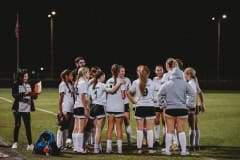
(197, 148)
(167, 153)
(156, 144)
(139, 151)
(15, 145)
(109, 150)
(30, 147)
(151, 151)
(184, 153)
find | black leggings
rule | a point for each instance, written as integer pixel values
(27, 123)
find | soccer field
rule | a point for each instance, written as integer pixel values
(220, 128)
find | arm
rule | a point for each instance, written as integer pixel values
(61, 95)
(202, 100)
(85, 103)
(130, 96)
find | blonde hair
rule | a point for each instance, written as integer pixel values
(192, 72)
(172, 63)
(81, 72)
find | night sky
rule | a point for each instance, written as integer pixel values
(106, 33)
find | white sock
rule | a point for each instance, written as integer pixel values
(129, 134)
(157, 132)
(59, 138)
(109, 145)
(182, 140)
(80, 138)
(192, 137)
(139, 139)
(150, 138)
(175, 138)
(163, 130)
(168, 141)
(119, 145)
(96, 148)
(74, 139)
(197, 137)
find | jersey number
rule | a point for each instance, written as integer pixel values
(145, 93)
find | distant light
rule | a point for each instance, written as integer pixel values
(49, 16)
(53, 12)
(41, 69)
(224, 16)
(33, 72)
(213, 18)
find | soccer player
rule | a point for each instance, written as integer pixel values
(159, 71)
(81, 109)
(115, 109)
(79, 62)
(97, 92)
(22, 106)
(65, 110)
(141, 94)
(173, 95)
(128, 128)
(194, 133)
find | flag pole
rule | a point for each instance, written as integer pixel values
(17, 37)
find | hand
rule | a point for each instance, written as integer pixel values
(122, 81)
(60, 113)
(203, 108)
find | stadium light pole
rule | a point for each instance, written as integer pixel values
(51, 15)
(219, 19)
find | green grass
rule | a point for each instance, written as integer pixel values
(220, 128)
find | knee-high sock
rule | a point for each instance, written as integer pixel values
(182, 140)
(80, 139)
(157, 132)
(119, 145)
(59, 138)
(192, 137)
(139, 139)
(93, 132)
(145, 133)
(129, 134)
(109, 145)
(150, 138)
(74, 139)
(197, 137)
(168, 141)
(65, 135)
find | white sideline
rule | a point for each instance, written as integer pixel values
(40, 109)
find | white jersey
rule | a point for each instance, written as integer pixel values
(147, 98)
(158, 83)
(25, 105)
(166, 77)
(194, 87)
(115, 103)
(82, 88)
(128, 85)
(68, 101)
(98, 95)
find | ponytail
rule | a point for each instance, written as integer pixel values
(143, 77)
(115, 71)
(97, 76)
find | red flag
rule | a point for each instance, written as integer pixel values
(17, 28)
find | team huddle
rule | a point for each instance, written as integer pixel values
(172, 99)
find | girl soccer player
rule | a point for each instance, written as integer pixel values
(115, 109)
(65, 110)
(194, 133)
(173, 95)
(128, 128)
(97, 93)
(141, 94)
(158, 110)
(22, 106)
(81, 109)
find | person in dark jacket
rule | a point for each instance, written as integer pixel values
(23, 104)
